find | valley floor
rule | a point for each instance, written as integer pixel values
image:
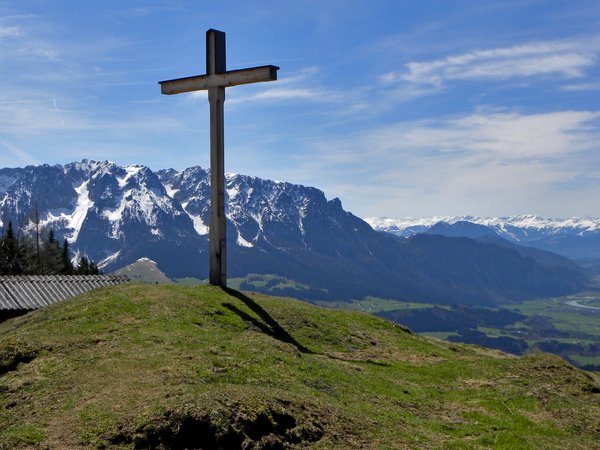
(566, 326)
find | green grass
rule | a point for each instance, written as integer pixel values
(149, 366)
(190, 281)
(269, 282)
(563, 317)
(258, 282)
(373, 305)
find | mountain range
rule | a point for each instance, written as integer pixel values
(116, 215)
(577, 238)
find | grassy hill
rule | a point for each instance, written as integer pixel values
(198, 367)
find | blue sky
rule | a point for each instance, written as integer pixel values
(399, 108)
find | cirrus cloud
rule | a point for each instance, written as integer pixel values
(562, 59)
(486, 162)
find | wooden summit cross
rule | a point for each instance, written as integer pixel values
(217, 78)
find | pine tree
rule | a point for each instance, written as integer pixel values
(20, 256)
(83, 267)
(38, 260)
(51, 256)
(4, 251)
(94, 269)
(87, 267)
(68, 268)
(9, 253)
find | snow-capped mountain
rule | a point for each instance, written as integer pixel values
(99, 207)
(574, 237)
(258, 211)
(116, 215)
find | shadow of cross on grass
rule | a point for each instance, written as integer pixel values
(268, 325)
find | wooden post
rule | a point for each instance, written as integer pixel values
(215, 63)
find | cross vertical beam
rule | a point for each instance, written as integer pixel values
(216, 63)
(216, 79)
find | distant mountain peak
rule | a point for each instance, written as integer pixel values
(146, 260)
(461, 228)
(144, 270)
(574, 237)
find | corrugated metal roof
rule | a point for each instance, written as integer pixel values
(37, 291)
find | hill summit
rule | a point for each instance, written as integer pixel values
(165, 366)
(144, 270)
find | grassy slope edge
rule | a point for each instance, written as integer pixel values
(182, 367)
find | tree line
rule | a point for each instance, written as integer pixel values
(41, 254)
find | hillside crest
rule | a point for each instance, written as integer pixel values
(147, 366)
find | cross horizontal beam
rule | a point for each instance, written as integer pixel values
(225, 79)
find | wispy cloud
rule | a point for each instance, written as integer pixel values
(485, 136)
(281, 94)
(562, 59)
(39, 114)
(593, 86)
(16, 156)
(62, 119)
(503, 135)
(485, 162)
(299, 86)
(303, 75)
(157, 9)
(17, 43)
(9, 31)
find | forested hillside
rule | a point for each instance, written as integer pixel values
(21, 254)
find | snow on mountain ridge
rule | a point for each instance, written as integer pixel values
(101, 193)
(251, 202)
(577, 238)
(170, 190)
(131, 172)
(82, 207)
(401, 226)
(109, 259)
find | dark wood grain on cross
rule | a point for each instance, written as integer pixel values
(216, 79)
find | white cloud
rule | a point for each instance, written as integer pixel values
(17, 41)
(488, 162)
(40, 114)
(505, 135)
(293, 87)
(280, 94)
(582, 87)
(516, 136)
(9, 31)
(563, 59)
